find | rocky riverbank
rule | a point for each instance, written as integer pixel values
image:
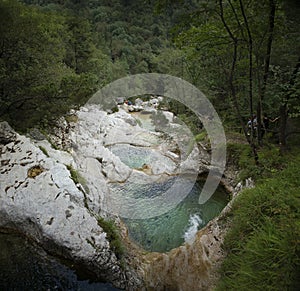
(41, 198)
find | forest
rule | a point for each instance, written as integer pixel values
(244, 55)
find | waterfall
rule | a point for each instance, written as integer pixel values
(190, 233)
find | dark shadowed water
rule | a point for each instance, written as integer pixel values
(24, 266)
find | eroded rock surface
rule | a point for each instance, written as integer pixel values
(39, 199)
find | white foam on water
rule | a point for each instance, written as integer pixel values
(194, 222)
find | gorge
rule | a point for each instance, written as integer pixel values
(112, 156)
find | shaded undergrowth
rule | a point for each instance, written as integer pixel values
(270, 161)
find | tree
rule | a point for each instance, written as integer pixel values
(80, 46)
(32, 51)
(251, 32)
(35, 76)
(267, 58)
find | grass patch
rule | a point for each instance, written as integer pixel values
(263, 242)
(53, 145)
(44, 151)
(77, 178)
(113, 236)
(74, 174)
(202, 137)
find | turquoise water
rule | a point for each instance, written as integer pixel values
(133, 157)
(24, 266)
(138, 190)
(137, 157)
(167, 231)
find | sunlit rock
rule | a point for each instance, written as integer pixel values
(40, 200)
(106, 152)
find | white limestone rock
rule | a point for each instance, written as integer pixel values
(62, 157)
(94, 184)
(169, 116)
(159, 167)
(39, 199)
(7, 134)
(191, 163)
(123, 115)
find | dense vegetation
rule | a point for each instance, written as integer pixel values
(263, 242)
(55, 54)
(244, 55)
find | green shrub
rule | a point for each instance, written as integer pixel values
(202, 136)
(71, 118)
(115, 109)
(263, 242)
(112, 232)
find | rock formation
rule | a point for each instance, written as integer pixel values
(192, 266)
(39, 197)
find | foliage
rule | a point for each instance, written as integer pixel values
(31, 52)
(112, 232)
(201, 137)
(55, 54)
(37, 82)
(231, 49)
(191, 121)
(71, 118)
(115, 109)
(263, 242)
(240, 155)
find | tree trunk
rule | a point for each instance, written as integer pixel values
(267, 58)
(283, 113)
(250, 48)
(231, 82)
